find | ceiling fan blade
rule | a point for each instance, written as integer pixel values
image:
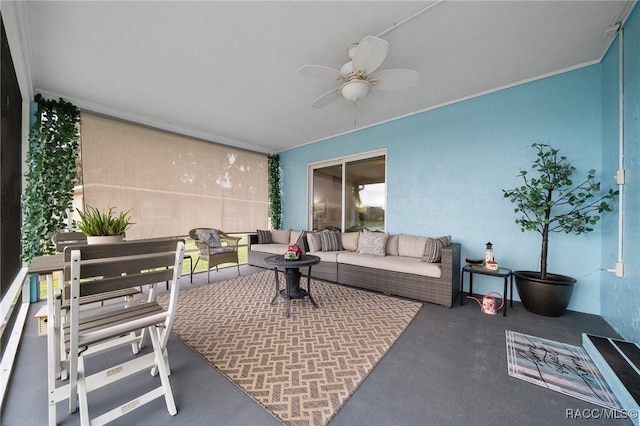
(394, 79)
(369, 54)
(326, 99)
(320, 72)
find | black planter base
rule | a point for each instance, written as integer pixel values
(548, 297)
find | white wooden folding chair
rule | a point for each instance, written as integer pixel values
(91, 304)
(62, 240)
(109, 267)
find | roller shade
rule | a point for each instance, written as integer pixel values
(171, 182)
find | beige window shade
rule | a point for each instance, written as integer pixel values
(172, 183)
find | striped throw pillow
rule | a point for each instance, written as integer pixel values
(331, 241)
(433, 248)
(264, 237)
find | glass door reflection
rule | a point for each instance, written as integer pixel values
(327, 196)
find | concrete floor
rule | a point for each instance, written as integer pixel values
(448, 368)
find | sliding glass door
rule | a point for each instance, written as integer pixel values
(349, 194)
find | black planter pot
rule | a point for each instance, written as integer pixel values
(548, 297)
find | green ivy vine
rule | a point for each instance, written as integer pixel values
(51, 174)
(275, 202)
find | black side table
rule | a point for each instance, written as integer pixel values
(501, 272)
(292, 274)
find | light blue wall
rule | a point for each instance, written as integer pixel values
(447, 168)
(621, 296)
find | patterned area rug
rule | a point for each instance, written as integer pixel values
(303, 368)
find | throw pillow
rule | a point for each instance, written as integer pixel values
(294, 236)
(264, 237)
(350, 240)
(314, 241)
(373, 243)
(298, 238)
(433, 248)
(331, 241)
(446, 240)
(209, 236)
(280, 236)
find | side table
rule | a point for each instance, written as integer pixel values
(292, 289)
(504, 273)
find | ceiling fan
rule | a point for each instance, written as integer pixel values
(357, 77)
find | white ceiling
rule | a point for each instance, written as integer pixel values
(227, 71)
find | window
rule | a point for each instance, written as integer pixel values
(349, 194)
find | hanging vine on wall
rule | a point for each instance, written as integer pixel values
(275, 203)
(51, 174)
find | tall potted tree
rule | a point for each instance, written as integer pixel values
(551, 202)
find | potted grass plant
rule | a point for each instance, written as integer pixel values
(103, 226)
(549, 201)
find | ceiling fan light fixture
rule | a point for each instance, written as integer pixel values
(355, 89)
(357, 76)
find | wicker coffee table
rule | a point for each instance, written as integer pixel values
(292, 275)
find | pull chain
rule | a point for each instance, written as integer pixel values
(355, 113)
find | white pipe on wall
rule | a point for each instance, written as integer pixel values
(620, 174)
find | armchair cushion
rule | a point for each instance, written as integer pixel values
(216, 250)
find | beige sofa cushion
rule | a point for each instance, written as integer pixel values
(407, 265)
(392, 245)
(314, 241)
(280, 236)
(350, 240)
(411, 245)
(269, 248)
(326, 256)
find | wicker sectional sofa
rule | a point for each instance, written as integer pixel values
(399, 268)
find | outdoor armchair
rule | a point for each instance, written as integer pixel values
(215, 247)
